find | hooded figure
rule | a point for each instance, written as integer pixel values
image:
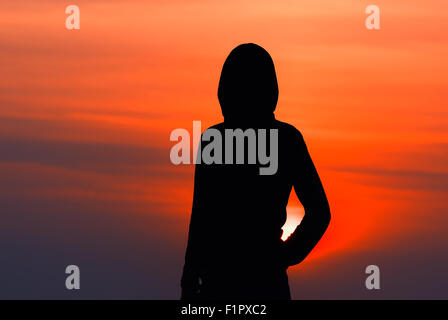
(248, 89)
(234, 246)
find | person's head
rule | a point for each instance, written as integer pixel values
(248, 88)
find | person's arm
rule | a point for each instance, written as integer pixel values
(311, 194)
(190, 276)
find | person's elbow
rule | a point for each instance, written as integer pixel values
(325, 217)
(322, 216)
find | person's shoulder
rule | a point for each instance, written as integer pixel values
(219, 127)
(289, 129)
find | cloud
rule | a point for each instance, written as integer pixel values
(420, 168)
(88, 156)
(400, 179)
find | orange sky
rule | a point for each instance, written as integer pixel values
(372, 106)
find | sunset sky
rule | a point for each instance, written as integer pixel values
(86, 115)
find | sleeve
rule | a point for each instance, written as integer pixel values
(190, 276)
(311, 194)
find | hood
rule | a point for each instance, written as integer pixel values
(248, 89)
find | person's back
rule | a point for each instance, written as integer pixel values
(235, 248)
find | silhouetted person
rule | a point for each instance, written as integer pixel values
(234, 247)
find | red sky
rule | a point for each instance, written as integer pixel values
(86, 116)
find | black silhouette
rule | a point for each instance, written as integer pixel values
(234, 247)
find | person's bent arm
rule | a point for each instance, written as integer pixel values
(311, 194)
